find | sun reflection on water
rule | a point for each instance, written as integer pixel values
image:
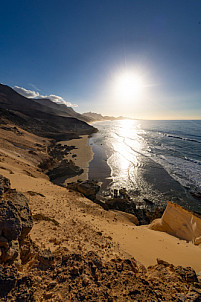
(127, 145)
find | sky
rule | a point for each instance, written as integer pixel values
(136, 58)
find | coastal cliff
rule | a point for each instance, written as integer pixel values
(64, 247)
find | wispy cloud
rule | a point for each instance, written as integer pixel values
(34, 86)
(33, 94)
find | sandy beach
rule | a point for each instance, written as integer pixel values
(80, 221)
(81, 156)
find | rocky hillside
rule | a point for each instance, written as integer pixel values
(29, 272)
(38, 118)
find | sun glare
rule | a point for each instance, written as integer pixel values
(128, 86)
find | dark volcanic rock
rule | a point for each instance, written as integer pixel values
(57, 167)
(196, 195)
(21, 203)
(120, 204)
(88, 188)
(13, 288)
(187, 273)
(145, 215)
(4, 185)
(23, 291)
(15, 221)
(10, 222)
(64, 169)
(8, 279)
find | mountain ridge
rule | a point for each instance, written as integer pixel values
(67, 111)
(39, 118)
(99, 117)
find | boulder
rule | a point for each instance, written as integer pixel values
(10, 222)
(88, 188)
(120, 204)
(123, 193)
(179, 222)
(21, 203)
(15, 221)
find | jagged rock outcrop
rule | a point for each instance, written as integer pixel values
(121, 202)
(10, 222)
(63, 170)
(87, 277)
(15, 246)
(144, 215)
(14, 287)
(20, 202)
(57, 167)
(179, 222)
(15, 221)
(88, 188)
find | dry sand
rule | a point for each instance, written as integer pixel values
(69, 220)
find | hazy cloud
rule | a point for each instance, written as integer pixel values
(57, 99)
(25, 92)
(33, 94)
(69, 104)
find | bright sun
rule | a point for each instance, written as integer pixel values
(128, 86)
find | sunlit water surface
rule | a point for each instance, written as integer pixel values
(160, 160)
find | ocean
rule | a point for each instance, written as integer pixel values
(156, 160)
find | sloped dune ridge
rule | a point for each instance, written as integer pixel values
(57, 245)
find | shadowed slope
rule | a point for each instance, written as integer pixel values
(63, 109)
(38, 118)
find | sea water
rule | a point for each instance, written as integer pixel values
(156, 160)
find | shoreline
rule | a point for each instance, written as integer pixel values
(75, 212)
(81, 155)
(151, 179)
(77, 161)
